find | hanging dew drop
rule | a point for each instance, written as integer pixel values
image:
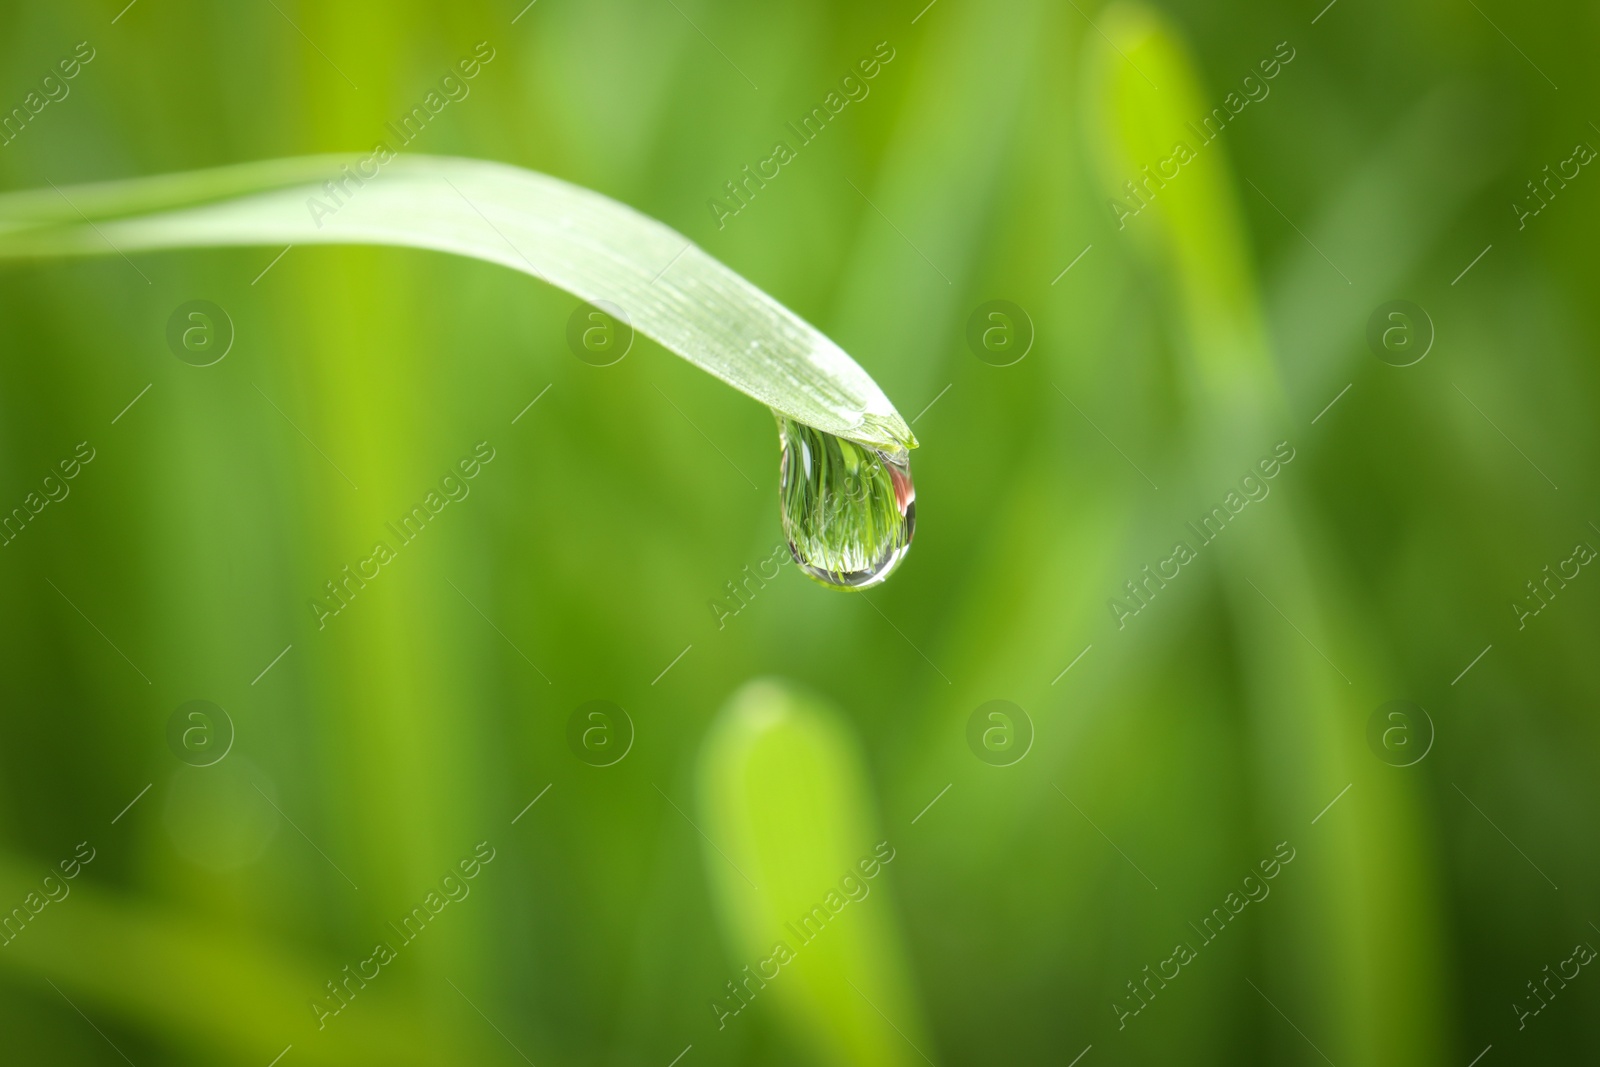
(848, 509)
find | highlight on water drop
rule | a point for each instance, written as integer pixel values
(849, 509)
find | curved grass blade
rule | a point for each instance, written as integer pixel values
(798, 876)
(573, 238)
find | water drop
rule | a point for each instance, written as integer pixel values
(849, 509)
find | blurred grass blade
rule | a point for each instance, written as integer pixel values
(1406, 195)
(573, 238)
(1192, 217)
(783, 793)
(1364, 945)
(237, 996)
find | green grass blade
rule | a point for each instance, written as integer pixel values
(236, 996)
(784, 794)
(1136, 133)
(1365, 942)
(573, 238)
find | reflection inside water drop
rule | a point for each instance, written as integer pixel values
(849, 509)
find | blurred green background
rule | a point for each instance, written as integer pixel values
(1206, 734)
